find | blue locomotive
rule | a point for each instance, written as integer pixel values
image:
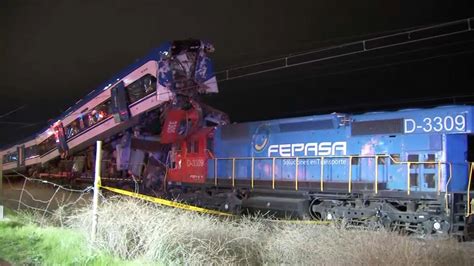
(407, 169)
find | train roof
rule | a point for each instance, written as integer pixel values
(152, 55)
(374, 115)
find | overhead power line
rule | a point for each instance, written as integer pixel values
(12, 111)
(410, 36)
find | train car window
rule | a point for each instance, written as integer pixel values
(31, 151)
(73, 128)
(10, 157)
(47, 145)
(141, 88)
(430, 180)
(413, 180)
(13, 157)
(389, 126)
(96, 115)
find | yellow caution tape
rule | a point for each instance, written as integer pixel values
(299, 221)
(165, 202)
(183, 206)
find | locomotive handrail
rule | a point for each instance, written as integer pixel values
(322, 159)
(447, 185)
(468, 202)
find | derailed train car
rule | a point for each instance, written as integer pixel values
(408, 170)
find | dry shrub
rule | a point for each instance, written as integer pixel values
(304, 244)
(132, 229)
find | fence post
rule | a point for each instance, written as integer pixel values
(97, 183)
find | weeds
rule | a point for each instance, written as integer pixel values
(133, 229)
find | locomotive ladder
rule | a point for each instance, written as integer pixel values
(438, 164)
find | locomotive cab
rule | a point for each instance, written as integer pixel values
(188, 158)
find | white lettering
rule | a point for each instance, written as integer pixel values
(325, 148)
(311, 147)
(285, 150)
(436, 124)
(340, 146)
(308, 149)
(299, 147)
(272, 149)
(410, 125)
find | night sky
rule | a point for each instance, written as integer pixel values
(53, 53)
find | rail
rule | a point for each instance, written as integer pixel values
(409, 164)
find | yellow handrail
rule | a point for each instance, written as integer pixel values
(215, 172)
(322, 173)
(322, 165)
(233, 172)
(408, 177)
(296, 174)
(273, 173)
(468, 203)
(252, 170)
(439, 178)
(350, 174)
(376, 185)
(447, 185)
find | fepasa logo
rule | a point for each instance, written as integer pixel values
(308, 149)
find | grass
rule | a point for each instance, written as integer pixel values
(29, 244)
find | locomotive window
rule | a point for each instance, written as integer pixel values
(395, 158)
(196, 146)
(381, 160)
(430, 180)
(430, 158)
(413, 180)
(307, 125)
(413, 158)
(141, 88)
(189, 147)
(355, 160)
(210, 146)
(390, 126)
(193, 146)
(235, 131)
